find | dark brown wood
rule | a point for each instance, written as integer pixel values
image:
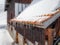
(41, 37)
(57, 27)
(37, 34)
(11, 11)
(24, 1)
(17, 37)
(50, 36)
(31, 33)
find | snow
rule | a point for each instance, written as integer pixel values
(34, 1)
(50, 21)
(5, 38)
(39, 9)
(3, 18)
(2, 5)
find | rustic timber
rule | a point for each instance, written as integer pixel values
(50, 36)
(17, 37)
(33, 33)
(57, 27)
(24, 1)
(10, 10)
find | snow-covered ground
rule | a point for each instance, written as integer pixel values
(5, 38)
(3, 18)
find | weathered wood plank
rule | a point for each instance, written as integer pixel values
(23, 1)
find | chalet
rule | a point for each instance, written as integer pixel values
(36, 30)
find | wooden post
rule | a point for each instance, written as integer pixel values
(57, 27)
(41, 40)
(24, 39)
(29, 34)
(16, 37)
(50, 36)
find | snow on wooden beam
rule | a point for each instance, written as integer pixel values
(40, 23)
(38, 15)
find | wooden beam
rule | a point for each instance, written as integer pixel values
(23, 1)
(57, 27)
(50, 36)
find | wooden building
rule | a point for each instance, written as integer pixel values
(29, 34)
